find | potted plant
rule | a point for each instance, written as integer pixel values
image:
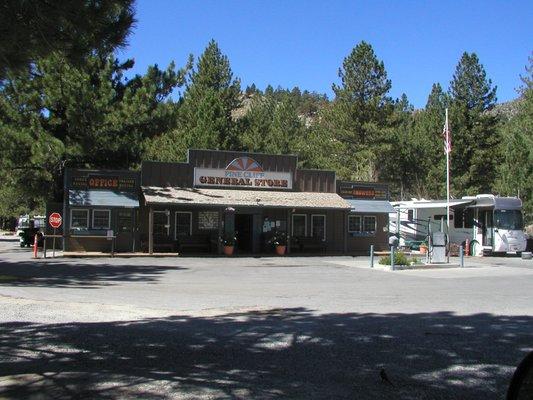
(423, 248)
(279, 240)
(228, 241)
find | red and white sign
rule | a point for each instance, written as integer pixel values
(55, 220)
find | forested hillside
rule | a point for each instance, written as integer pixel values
(56, 112)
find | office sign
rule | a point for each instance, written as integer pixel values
(242, 172)
(363, 191)
(103, 182)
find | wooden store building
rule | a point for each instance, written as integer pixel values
(252, 201)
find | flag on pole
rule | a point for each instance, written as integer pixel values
(447, 138)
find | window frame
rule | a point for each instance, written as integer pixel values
(325, 225)
(167, 213)
(176, 222)
(87, 219)
(369, 233)
(305, 223)
(360, 222)
(108, 219)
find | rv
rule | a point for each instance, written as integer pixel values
(490, 224)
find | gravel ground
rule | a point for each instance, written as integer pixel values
(259, 328)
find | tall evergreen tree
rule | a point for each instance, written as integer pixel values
(31, 30)
(61, 115)
(475, 137)
(210, 97)
(516, 168)
(359, 118)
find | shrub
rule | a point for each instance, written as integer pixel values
(399, 259)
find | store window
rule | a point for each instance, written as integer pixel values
(369, 224)
(354, 223)
(101, 219)
(162, 223)
(318, 226)
(299, 225)
(79, 219)
(183, 224)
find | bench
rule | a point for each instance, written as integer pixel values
(194, 243)
(161, 243)
(302, 244)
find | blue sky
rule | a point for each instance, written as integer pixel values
(303, 43)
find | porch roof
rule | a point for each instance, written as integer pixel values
(244, 198)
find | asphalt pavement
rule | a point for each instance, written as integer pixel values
(259, 328)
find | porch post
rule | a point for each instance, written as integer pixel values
(289, 230)
(151, 231)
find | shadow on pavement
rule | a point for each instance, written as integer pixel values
(283, 353)
(79, 276)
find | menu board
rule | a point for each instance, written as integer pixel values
(207, 220)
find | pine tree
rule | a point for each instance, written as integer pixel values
(474, 131)
(34, 29)
(210, 97)
(359, 118)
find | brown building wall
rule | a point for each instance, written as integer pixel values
(361, 244)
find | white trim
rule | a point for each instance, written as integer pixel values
(87, 219)
(167, 213)
(305, 223)
(318, 215)
(375, 224)
(360, 222)
(108, 218)
(176, 222)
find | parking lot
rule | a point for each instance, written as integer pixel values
(262, 328)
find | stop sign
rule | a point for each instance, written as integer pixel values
(55, 220)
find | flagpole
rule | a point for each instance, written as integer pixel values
(448, 185)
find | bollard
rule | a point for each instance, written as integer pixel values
(371, 256)
(392, 258)
(461, 257)
(35, 246)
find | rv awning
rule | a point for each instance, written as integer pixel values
(371, 206)
(108, 198)
(246, 198)
(432, 204)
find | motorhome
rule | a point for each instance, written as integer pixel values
(490, 224)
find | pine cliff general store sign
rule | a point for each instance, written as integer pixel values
(242, 172)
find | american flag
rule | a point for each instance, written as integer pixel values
(447, 135)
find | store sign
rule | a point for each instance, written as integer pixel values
(102, 182)
(350, 191)
(242, 172)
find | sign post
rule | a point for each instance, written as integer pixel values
(55, 220)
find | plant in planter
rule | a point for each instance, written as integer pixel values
(423, 248)
(228, 241)
(279, 240)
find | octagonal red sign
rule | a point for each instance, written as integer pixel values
(55, 220)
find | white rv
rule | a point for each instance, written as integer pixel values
(491, 224)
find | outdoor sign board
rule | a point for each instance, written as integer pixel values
(242, 172)
(350, 190)
(102, 182)
(55, 220)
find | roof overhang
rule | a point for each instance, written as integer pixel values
(241, 198)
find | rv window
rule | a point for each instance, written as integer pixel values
(469, 218)
(410, 215)
(438, 217)
(459, 218)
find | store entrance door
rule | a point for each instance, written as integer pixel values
(124, 230)
(244, 232)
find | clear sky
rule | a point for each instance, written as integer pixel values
(303, 43)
